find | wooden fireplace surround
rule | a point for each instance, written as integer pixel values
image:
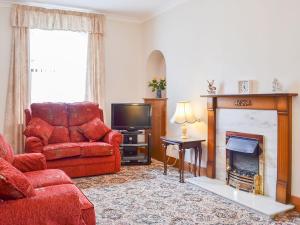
(280, 102)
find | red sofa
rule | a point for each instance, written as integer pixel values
(68, 149)
(55, 201)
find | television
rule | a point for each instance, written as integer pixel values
(131, 116)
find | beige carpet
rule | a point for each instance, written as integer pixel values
(143, 195)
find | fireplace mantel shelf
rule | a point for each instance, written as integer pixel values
(251, 95)
(280, 102)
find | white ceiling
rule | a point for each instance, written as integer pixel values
(139, 10)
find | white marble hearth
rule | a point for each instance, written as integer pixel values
(259, 203)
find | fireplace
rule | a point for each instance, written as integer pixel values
(245, 162)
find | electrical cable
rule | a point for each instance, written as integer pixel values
(173, 163)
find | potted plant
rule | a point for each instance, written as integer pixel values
(158, 86)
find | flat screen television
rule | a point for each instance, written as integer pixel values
(130, 116)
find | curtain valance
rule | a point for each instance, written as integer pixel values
(56, 19)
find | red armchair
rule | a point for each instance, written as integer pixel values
(68, 149)
(57, 201)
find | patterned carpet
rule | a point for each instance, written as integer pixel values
(143, 195)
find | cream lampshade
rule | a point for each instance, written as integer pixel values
(183, 115)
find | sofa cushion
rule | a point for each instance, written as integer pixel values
(82, 112)
(13, 183)
(6, 151)
(94, 130)
(39, 128)
(60, 134)
(75, 135)
(55, 114)
(61, 189)
(60, 151)
(89, 149)
(49, 177)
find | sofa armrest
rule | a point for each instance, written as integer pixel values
(30, 162)
(114, 138)
(49, 206)
(33, 145)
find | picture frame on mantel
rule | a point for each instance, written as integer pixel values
(245, 87)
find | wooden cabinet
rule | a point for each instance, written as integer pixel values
(159, 125)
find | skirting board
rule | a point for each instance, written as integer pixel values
(296, 201)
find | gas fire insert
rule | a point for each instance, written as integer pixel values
(245, 162)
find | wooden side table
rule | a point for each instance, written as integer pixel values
(183, 144)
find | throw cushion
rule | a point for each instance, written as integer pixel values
(13, 183)
(39, 128)
(60, 134)
(94, 130)
(6, 151)
(75, 135)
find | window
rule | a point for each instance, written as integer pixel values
(58, 65)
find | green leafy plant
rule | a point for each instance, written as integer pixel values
(156, 84)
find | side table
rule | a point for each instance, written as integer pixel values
(183, 144)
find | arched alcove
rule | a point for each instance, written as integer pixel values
(156, 68)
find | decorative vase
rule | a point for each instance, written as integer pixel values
(158, 93)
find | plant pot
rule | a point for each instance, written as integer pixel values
(158, 93)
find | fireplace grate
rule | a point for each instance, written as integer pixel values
(244, 162)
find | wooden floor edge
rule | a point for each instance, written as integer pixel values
(296, 201)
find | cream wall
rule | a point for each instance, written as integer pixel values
(123, 59)
(228, 41)
(123, 55)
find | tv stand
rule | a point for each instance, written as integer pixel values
(131, 132)
(131, 147)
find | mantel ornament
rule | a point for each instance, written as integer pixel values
(211, 88)
(276, 86)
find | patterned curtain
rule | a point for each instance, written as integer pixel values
(95, 83)
(18, 88)
(24, 18)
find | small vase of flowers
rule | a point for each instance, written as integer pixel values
(157, 86)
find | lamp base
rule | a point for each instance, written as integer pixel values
(184, 132)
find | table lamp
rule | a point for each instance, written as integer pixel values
(183, 115)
